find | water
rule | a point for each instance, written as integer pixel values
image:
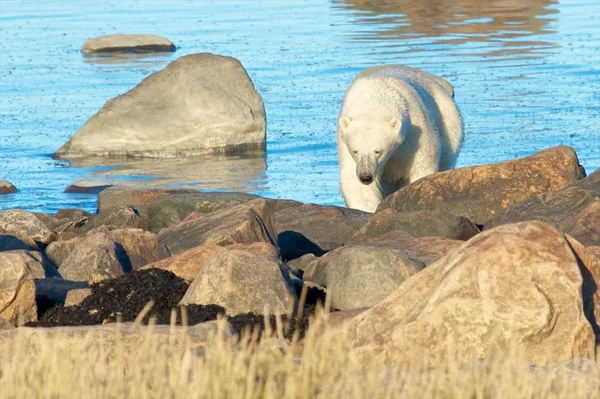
(526, 78)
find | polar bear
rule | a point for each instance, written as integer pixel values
(396, 125)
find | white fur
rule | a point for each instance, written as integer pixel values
(397, 124)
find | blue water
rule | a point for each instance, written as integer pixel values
(526, 78)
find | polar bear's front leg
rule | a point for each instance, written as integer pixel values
(361, 196)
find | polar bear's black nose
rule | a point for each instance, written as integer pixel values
(366, 178)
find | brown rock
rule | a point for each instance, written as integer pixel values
(18, 269)
(26, 223)
(94, 259)
(482, 192)
(261, 248)
(58, 251)
(187, 264)
(574, 211)
(245, 223)
(127, 42)
(595, 249)
(361, 276)
(417, 224)
(76, 296)
(425, 249)
(73, 214)
(141, 247)
(518, 284)
(87, 187)
(242, 282)
(7, 188)
(57, 224)
(121, 196)
(591, 182)
(119, 216)
(327, 226)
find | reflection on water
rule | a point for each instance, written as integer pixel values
(526, 76)
(207, 172)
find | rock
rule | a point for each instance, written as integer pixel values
(299, 265)
(245, 223)
(18, 269)
(589, 265)
(119, 216)
(10, 241)
(424, 249)
(141, 247)
(26, 223)
(120, 196)
(259, 248)
(574, 211)
(243, 282)
(60, 225)
(200, 103)
(293, 245)
(482, 192)
(417, 224)
(76, 296)
(187, 264)
(57, 289)
(110, 338)
(167, 211)
(58, 251)
(595, 249)
(361, 276)
(129, 42)
(95, 258)
(7, 188)
(517, 284)
(328, 227)
(87, 187)
(73, 214)
(591, 182)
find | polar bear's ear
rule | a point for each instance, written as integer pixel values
(344, 122)
(395, 124)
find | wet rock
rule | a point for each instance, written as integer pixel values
(187, 264)
(119, 216)
(591, 182)
(167, 211)
(127, 42)
(76, 296)
(417, 224)
(245, 223)
(18, 269)
(87, 187)
(96, 257)
(515, 284)
(328, 227)
(361, 276)
(200, 103)
(574, 211)
(26, 224)
(121, 196)
(10, 241)
(482, 192)
(242, 282)
(7, 188)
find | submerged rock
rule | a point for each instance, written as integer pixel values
(200, 103)
(7, 188)
(127, 42)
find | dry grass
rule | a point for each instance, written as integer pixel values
(262, 368)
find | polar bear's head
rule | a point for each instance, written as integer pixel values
(370, 143)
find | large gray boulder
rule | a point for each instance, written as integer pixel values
(200, 103)
(127, 42)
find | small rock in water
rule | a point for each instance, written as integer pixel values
(88, 187)
(130, 43)
(7, 188)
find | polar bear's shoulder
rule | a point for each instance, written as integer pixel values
(404, 72)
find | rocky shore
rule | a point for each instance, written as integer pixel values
(469, 260)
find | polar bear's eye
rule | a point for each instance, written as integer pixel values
(355, 151)
(378, 152)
